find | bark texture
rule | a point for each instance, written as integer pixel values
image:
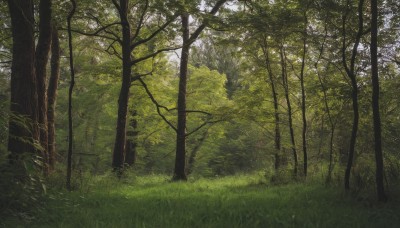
(120, 138)
(23, 81)
(131, 145)
(375, 102)
(52, 96)
(180, 157)
(350, 71)
(289, 108)
(71, 87)
(41, 60)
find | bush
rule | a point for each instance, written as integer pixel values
(22, 189)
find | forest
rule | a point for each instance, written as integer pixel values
(199, 113)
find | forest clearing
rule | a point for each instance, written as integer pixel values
(199, 113)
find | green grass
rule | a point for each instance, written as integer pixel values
(237, 201)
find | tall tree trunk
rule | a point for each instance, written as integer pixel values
(41, 59)
(289, 108)
(271, 77)
(332, 125)
(120, 138)
(180, 159)
(303, 98)
(354, 95)
(375, 102)
(23, 80)
(131, 145)
(187, 40)
(71, 87)
(52, 95)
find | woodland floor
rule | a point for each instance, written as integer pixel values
(236, 201)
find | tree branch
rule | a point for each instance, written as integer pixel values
(97, 32)
(117, 6)
(140, 24)
(155, 33)
(152, 55)
(158, 106)
(202, 125)
(197, 32)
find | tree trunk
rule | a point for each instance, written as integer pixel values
(52, 96)
(375, 102)
(180, 159)
(23, 81)
(131, 145)
(120, 138)
(271, 77)
(332, 125)
(354, 95)
(193, 155)
(71, 87)
(303, 100)
(289, 108)
(353, 138)
(41, 59)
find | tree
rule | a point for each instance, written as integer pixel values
(52, 95)
(285, 85)
(351, 73)
(130, 43)
(120, 139)
(41, 59)
(71, 87)
(187, 40)
(375, 102)
(24, 96)
(272, 81)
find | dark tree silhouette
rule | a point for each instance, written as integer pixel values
(375, 101)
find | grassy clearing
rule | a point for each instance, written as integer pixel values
(237, 201)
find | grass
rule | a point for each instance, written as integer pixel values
(236, 201)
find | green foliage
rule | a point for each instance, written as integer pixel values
(22, 189)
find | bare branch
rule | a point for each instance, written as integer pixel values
(153, 55)
(140, 24)
(198, 111)
(202, 125)
(97, 32)
(155, 33)
(158, 106)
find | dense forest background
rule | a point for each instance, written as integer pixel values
(292, 91)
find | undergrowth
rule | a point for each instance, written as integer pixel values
(234, 201)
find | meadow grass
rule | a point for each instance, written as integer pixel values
(236, 201)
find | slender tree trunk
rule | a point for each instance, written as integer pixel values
(193, 155)
(327, 108)
(354, 95)
(187, 40)
(289, 109)
(71, 87)
(332, 125)
(120, 138)
(52, 95)
(23, 80)
(353, 138)
(375, 102)
(303, 100)
(41, 59)
(131, 145)
(180, 159)
(271, 77)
